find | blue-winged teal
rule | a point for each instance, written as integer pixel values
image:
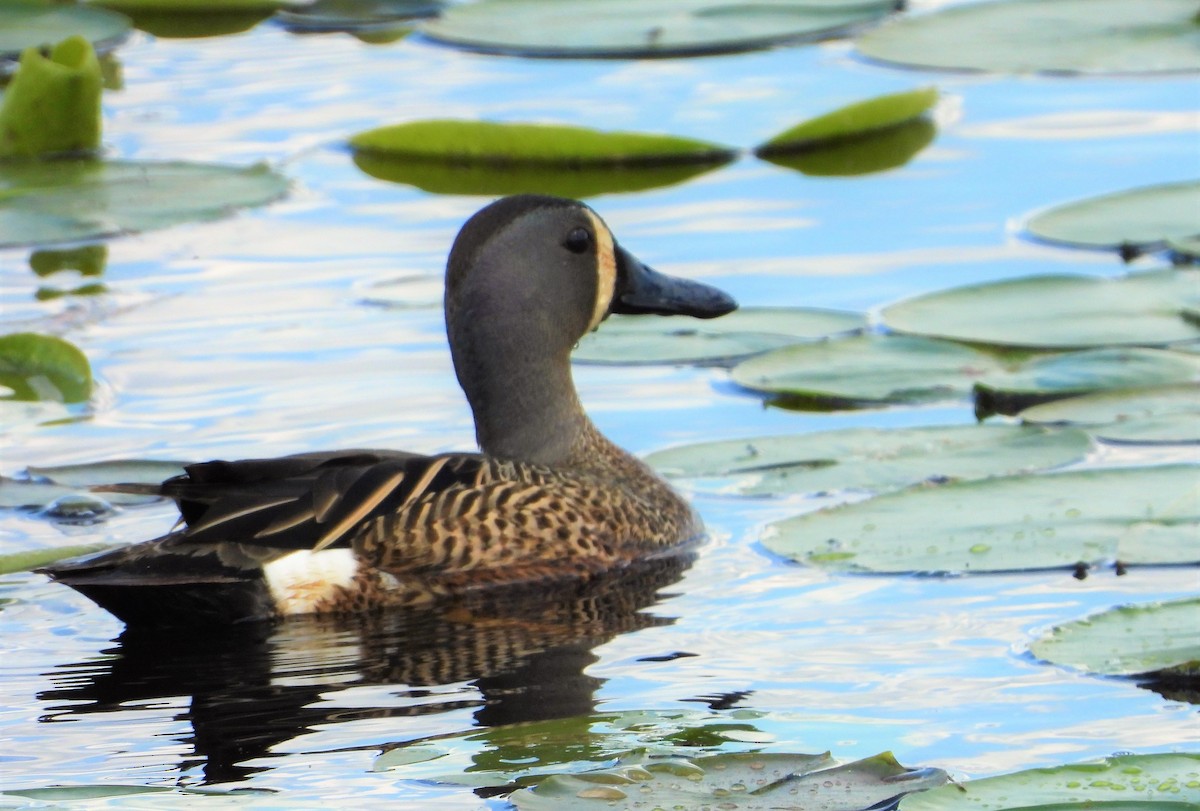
(347, 531)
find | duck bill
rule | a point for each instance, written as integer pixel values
(644, 291)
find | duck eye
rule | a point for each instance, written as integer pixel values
(578, 241)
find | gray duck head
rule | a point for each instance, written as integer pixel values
(527, 277)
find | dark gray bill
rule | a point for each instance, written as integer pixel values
(642, 290)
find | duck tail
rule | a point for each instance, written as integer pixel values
(158, 583)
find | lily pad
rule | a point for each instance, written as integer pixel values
(1136, 515)
(355, 15)
(1129, 640)
(1033, 36)
(677, 339)
(874, 152)
(1158, 782)
(191, 6)
(43, 367)
(46, 485)
(198, 24)
(852, 121)
(1054, 377)
(867, 370)
(59, 201)
(870, 459)
(52, 105)
(1131, 219)
(1153, 414)
(734, 781)
(1057, 312)
(25, 561)
(644, 28)
(37, 25)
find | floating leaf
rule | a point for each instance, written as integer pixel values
(1154, 414)
(37, 25)
(876, 152)
(188, 24)
(355, 15)
(853, 121)
(1028, 36)
(1128, 640)
(639, 28)
(25, 561)
(58, 201)
(1057, 312)
(678, 339)
(88, 260)
(1135, 218)
(52, 104)
(870, 458)
(1159, 782)
(1071, 373)
(1147, 515)
(197, 7)
(867, 370)
(47, 485)
(734, 781)
(43, 367)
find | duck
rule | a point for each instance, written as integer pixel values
(547, 497)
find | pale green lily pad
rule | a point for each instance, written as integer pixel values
(853, 121)
(875, 152)
(59, 201)
(870, 459)
(679, 339)
(1186, 247)
(1132, 219)
(641, 28)
(34, 558)
(355, 15)
(1128, 640)
(37, 25)
(867, 370)
(1057, 312)
(1034, 36)
(43, 367)
(1054, 377)
(734, 781)
(47, 485)
(1138, 515)
(1158, 782)
(1154, 414)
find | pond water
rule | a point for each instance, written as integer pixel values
(262, 334)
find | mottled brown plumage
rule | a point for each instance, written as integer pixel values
(549, 497)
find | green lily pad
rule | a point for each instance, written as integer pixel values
(1128, 640)
(1057, 312)
(46, 485)
(199, 23)
(25, 561)
(1152, 414)
(867, 370)
(1033, 36)
(870, 459)
(641, 28)
(873, 152)
(58, 201)
(133, 7)
(853, 121)
(678, 339)
(734, 781)
(1137, 515)
(1054, 377)
(355, 15)
(43, 367)
(1135, 218)
(52, 105)
(1158, 782)
(87, 260)
(37, 25)
(494, 181)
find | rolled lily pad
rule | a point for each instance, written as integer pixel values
(867, 370)
(1057, 312)
(734, 781)
(869, 459)
(852, 121)
(1158, 782)
(1054, 377)
(874, 152)
(1137, 515)
(59, 201)
(1033, 36)
(52, 104)
(1131, 219)
(43, 367)
(38, 25)
(678, 339)
(641, 28)
(1154, 414)
(1129, 640)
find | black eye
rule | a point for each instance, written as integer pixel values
(578, 241)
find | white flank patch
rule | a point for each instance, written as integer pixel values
(300, 581)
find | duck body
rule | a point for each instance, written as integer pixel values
(549, 497)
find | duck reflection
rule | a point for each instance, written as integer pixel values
(519, 654)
